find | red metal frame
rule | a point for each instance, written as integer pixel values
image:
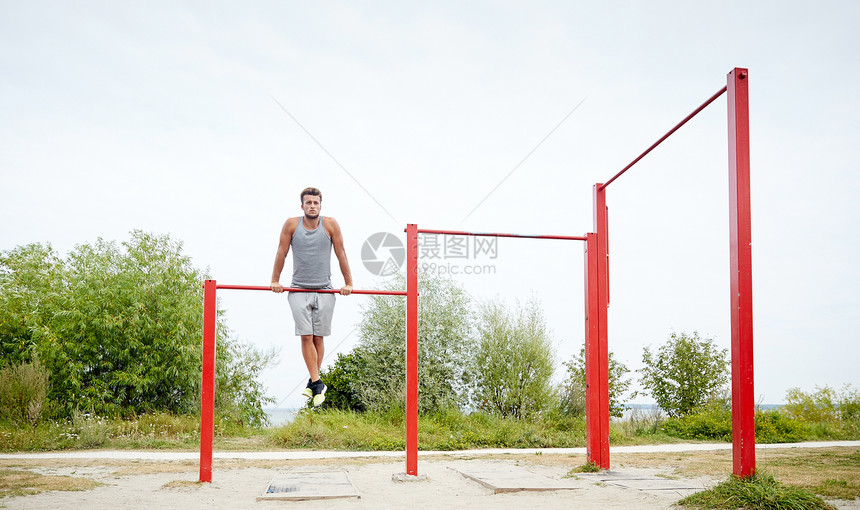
(412, 349)
(412, 232)
(207, 404)
(740, 235)
(664, 137)
(596, 340)
(491, 234)
(743, 396)
(592, 359)
(596, 305)
(319, 291)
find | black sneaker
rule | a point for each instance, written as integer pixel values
(319, 388)
(308, 392)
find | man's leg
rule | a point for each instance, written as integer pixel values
(301, 306)
(319, 345)
(313, 350)
(313, 360)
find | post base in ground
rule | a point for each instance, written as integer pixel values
(403, 477)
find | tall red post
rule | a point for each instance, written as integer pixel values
(740, 240)
(592, 350)
(596, 346)
(412, 349)
(207, 407)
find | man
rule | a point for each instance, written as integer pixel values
(312, 238)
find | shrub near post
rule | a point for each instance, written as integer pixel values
(23, 392)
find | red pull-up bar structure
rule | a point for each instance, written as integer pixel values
(412, 232)
(207, 404)
(596, 305)
(740, 250)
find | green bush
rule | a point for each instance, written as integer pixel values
(825, 405)
(446, 359)
(572, 395)
(515, 360)
(825, 413)
(774, 427)
(239, 394)
(684, 373)
(812, 407)
(23, 393)
(712, 422)
(849, 404)
(119, 328)
(340, 394)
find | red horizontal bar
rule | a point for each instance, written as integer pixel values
(322, 291)
(658, 142)
(490, 234)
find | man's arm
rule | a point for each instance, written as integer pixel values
(340, 253)
(287, 232)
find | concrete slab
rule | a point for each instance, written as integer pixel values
(307, 485)
(644, 483)
(501, 479)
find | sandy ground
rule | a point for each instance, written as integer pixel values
(239, 487)
(237, 484)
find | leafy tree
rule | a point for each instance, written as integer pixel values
(117, 326)
(340, 394)
(573, 387)
(684, 373)
(515, 360)
(445, 350)
(239, 394)
(31, 278)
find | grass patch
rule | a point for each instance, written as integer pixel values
(760, 491)
(714, 423)
(182, 484)
(588, 467)
(347, 430)
(148, 431)
(827, 472)
(14, 482)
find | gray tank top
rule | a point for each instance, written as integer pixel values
(311, 256)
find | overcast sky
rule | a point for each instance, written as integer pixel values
(204, 120)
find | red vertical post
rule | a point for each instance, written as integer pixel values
(207, 406)
(740, 241)
(599, 342)
(412, 349)
(592, 349)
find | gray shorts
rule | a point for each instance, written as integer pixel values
(312, 312)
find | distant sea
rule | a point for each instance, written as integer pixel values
(651, 408)
(280, 415)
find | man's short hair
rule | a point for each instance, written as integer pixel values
(310, 191)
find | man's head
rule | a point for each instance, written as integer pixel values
(311, 202)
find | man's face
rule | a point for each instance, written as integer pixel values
(311, 206)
